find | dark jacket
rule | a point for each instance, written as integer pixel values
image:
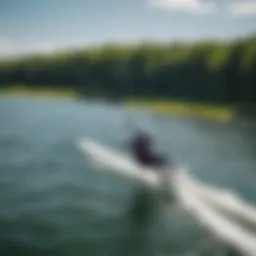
(142, 149)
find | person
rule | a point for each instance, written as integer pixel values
(143, 152)
(144, 204)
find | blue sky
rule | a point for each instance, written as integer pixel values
(47, 25)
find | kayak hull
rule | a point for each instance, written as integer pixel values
(159, 181)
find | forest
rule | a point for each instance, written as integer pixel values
(201, 71)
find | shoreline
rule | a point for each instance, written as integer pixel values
(38, 94)
(186, 109)
(173, 107)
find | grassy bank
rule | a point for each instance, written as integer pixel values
(170, 107)
(22, 92)
(184, 108)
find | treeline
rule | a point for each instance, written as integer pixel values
(224, 72)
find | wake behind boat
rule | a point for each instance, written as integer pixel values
(191, 194)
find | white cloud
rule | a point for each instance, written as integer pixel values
(45, 48)
(235, 8)
(244, 8)
(7, 47)
(11, 48)
(193, 6)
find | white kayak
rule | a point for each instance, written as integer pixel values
(159, 180)
(197, 198)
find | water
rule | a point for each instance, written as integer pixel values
(52, 202)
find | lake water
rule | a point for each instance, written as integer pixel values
(53, 202)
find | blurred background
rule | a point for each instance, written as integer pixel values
(184, 70)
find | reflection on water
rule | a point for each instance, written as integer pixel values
(53, 202)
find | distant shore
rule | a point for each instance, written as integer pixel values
(38, 93)
(169, 107)
(185, 108)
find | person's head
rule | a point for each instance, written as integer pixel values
(144, 137)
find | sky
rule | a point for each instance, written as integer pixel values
(48, 25)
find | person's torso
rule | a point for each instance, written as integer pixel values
(141, 146)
